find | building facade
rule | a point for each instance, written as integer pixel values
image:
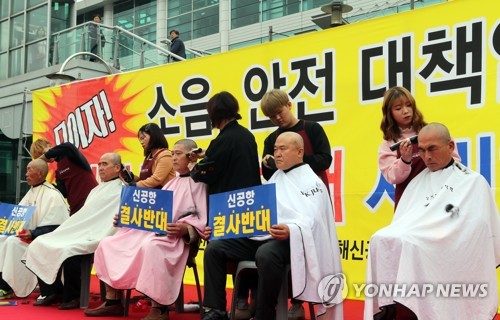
(31, 30)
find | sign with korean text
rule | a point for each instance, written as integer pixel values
(145, 209)
(14, 218)
(242, 213)
(447, 55)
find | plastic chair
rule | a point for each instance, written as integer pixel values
(86, 268)
(282, 307)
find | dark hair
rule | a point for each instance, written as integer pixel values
(96, 15)
(222, 106)
(156, 138)
(175, 31)
(388, 125)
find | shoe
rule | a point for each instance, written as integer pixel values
(296, 312)
(68, 305)
(243, 310)
(103, 311)
(6, 294)
(213, 314)
(155, 314)
(47, 301)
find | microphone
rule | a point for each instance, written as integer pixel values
(452, 209)
(413, 140)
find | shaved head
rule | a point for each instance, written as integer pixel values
(288, 150)
(36, 172)
(440, 131)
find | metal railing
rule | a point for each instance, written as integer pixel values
(123, 49)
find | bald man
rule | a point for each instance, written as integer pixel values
(445, 234)
(304, 236)
(76, 237)
(50, 211)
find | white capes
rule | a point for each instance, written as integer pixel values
(303, 203)
(443, 245)
(51, 209)
(79, 235)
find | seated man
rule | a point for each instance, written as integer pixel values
(76, 237)
(152, 264)
(305, 236)
(51, 210)
(443, 241)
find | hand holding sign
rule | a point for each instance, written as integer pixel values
(14, 218)
(242, 213)
(145, 209)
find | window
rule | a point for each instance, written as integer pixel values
(183, 25)
(205, 21)
(36, 56)
(311, 4)
(32, 3)
(4, 36)
(178, 7)
(37, 24)
(16, 62)
(17, 31)
(3, 62)
(272, 9)
(16, 6)
(8, 164)
(193, 18)
(4, 9)
(244, 13)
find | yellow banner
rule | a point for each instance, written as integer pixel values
(448, 55)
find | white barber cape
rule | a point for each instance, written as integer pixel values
(303, 203)
(427, 248)
(79, 235)
(51, 209)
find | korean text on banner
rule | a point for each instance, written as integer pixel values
(242, 213)
(145, 209)
(14, 218)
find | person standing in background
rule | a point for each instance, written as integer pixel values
(94, 35)
(177, 46)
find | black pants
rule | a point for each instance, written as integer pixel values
(71, 268)
(271, 258)
(4, 285)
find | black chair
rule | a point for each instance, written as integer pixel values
(86, 268)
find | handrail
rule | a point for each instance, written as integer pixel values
(83, 25)
(196, 52)
(147, 42)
